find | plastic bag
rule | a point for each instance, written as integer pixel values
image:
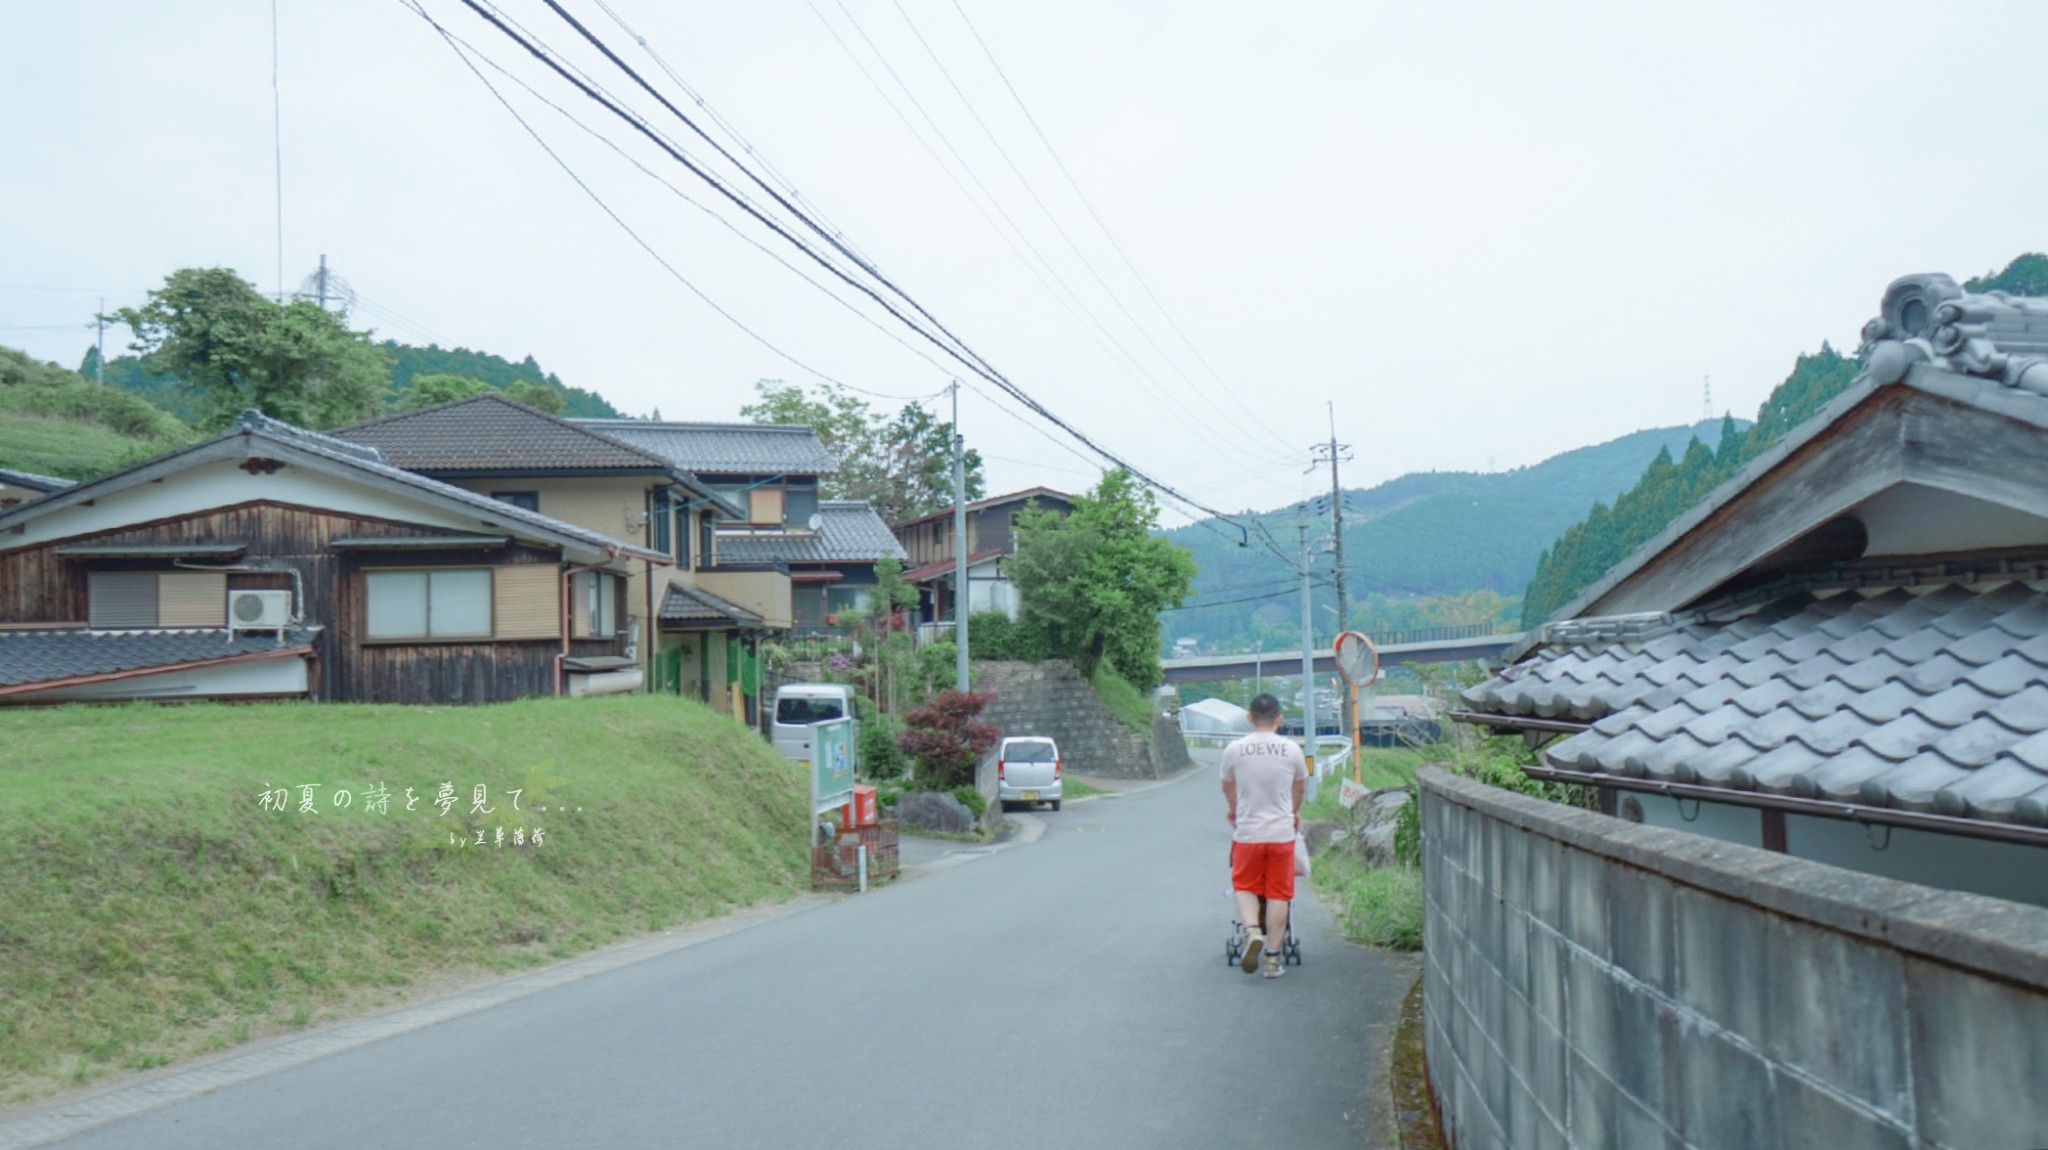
(1301, 861)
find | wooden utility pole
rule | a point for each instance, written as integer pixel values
(1335, 453)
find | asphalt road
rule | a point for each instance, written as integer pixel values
(1067, 992)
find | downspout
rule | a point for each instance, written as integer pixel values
(569, 576)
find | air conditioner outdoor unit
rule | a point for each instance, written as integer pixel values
(259, 610)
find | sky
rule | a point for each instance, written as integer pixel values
(1478, 233)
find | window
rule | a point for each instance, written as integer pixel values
(801, 505)
(524, 500)
(683, 536)
(596, 603)
(658, 522)
(799, 712)
(705, 556)
(765, 505)
(452, 604)
(156, 599)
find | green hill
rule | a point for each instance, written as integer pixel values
(56, 422)
(407, 361)
(1420, 536)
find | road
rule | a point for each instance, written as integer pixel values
(1066, 992)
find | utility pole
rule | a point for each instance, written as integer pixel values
(99, 359)
(322, 292)
(959, 547)
(1308, 658)
(1339, 452)
(1707, 408)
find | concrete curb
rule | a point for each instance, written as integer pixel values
(65, 1116)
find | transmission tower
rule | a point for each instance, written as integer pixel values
(326, 288)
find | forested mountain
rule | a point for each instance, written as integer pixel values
(53, 422)
(406, 361)
(1471, 537)
(1674, 483)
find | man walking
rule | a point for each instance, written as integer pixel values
(1264, 776)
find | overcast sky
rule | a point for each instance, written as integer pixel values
(1488, 232)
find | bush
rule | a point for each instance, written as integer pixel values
(880, 757)
(994, 635)
(944, 738)
(970, 797)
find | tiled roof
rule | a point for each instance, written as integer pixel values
(943, 569)
(696, 605)
(849, 532)
(492, 433)
(360, 460)
(1024, 496)
(725, 448)
(31, 480)
(1930, 698)
(47, 658)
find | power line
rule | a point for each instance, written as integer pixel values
(1104, 225)
(956, 348)
(606, 208)
(1032, 191)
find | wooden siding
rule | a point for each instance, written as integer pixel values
(39, 587)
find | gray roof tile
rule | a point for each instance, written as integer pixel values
(55, 656)
(1923, 699)
(683, 605)
(492, 433)
(726, 448)
(849, 531)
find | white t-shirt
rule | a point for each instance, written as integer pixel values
(1265, 767)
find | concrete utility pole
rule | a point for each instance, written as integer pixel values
(322, 291)
(1308, 658)
(1339, 452)
(99, 360)
(959, 547)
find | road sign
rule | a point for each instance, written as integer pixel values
(1357, 659)
(831, 764)
(1351, 793)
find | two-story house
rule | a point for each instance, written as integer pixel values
(691, 620)
(828, 548)
(274, 562)
(991, 540)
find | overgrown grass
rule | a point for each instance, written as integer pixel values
(1378, 768)
(154, 909)
(1378, 906)
(1125, 699)
(1073, 788)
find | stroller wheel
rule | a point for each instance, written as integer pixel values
(1230, 951)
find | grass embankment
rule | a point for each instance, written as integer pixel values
(154, 909)
(1125, 699)
(54, 422)
(1378, 906)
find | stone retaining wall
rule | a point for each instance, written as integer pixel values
(1052, 699)
(1596, 983)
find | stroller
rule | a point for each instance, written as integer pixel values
(1233, 948)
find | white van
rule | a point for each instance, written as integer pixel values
(798, 705)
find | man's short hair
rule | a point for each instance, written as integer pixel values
(1265, 707)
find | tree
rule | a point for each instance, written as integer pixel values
(232, 349)
(538, 396)
(1095, 581)
(433, 390)
(901, 465)
(944, 738)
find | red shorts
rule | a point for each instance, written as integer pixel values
(1265, 869)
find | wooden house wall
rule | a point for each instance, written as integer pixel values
(37, 586)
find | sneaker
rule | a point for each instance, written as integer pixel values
(1254, 943)
(1274, 969)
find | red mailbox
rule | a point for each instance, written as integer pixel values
(861, 811)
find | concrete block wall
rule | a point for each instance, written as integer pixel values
(1594, 983)
(1051, 698)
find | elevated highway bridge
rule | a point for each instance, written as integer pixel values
(1453, 647)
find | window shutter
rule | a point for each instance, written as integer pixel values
(766, 505)
(528, 601)
(580, 593)
(192, 599)
(122, 598)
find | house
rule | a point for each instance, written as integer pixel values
(699, 617)
(828, 548)
(17, 487)
(270, 561)
(991, 540)
(1841, 654)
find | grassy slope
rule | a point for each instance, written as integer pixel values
(1124, 699)
(54, 422)
(154, 910)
